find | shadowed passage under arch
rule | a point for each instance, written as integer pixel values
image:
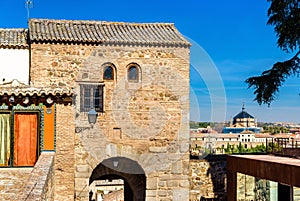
(126, 169)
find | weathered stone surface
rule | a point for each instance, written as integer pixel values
(162, 193)
(158, 149)
(64, 163)
(184, 184)
(208, 179)
(151, 193)
(172, 183)
(40, 184)
(152, 183)
(180, 194)
(177, 167)
(146, 121)
(12, 181)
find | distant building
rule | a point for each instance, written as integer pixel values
(243, 121)
(220, 140)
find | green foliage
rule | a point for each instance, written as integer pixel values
(275, 129)
(203, 124)
(274, 147)
(193, 125)
(240, 148)
(285, 17)
(262, 148)
(258, 148)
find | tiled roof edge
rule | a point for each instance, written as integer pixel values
(153, 34)
(99, 22)
(125, 43)
(14, 42)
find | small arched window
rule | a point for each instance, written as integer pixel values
(108, 73)
(133, 73)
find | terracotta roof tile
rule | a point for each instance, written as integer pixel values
(18, 88)
(84, 31)
(30, 91)
(13, 38)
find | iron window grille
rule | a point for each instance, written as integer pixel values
(91, 96)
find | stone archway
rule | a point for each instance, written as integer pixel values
(126, 169)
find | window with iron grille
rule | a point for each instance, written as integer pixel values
(91, 96)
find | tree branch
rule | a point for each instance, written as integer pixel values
(267, 84)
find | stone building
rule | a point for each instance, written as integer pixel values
(243, 121)
(133, 77)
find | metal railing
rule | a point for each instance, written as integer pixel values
(284, 147)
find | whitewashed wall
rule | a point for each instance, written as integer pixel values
(14, 64)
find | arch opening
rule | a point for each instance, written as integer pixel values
(123, 175)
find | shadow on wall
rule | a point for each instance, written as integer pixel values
(208, 178)
(217, 173)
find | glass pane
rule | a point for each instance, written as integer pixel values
(87, 98)
(25, 139)
(4, 139)
(108, 73)
(98, 99)
(133, 73)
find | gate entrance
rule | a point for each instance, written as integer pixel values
(119, 175)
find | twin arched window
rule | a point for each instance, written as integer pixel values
(132, 72)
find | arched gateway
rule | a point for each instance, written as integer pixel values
(126, 169)
(139, 138)
(140, 105)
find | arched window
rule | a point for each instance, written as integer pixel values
(133, 73)
(108, 73)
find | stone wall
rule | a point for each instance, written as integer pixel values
(12, 181)
(64, 162)
(114, 196)
(208, 178)
(39, 185)
(29, 183)
(146, 121)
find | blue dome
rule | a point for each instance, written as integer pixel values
(243, 115)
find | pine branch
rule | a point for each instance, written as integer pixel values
(268, 83)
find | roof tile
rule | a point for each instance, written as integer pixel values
(17, 88)
(78, 31)
(13, 38)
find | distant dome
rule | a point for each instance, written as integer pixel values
(243, 122)
(244, 119)
(243, 115)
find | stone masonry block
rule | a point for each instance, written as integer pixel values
(177, 167)
(180, 194)
(172, 183)
(152, 183)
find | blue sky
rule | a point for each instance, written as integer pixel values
(231, 42)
